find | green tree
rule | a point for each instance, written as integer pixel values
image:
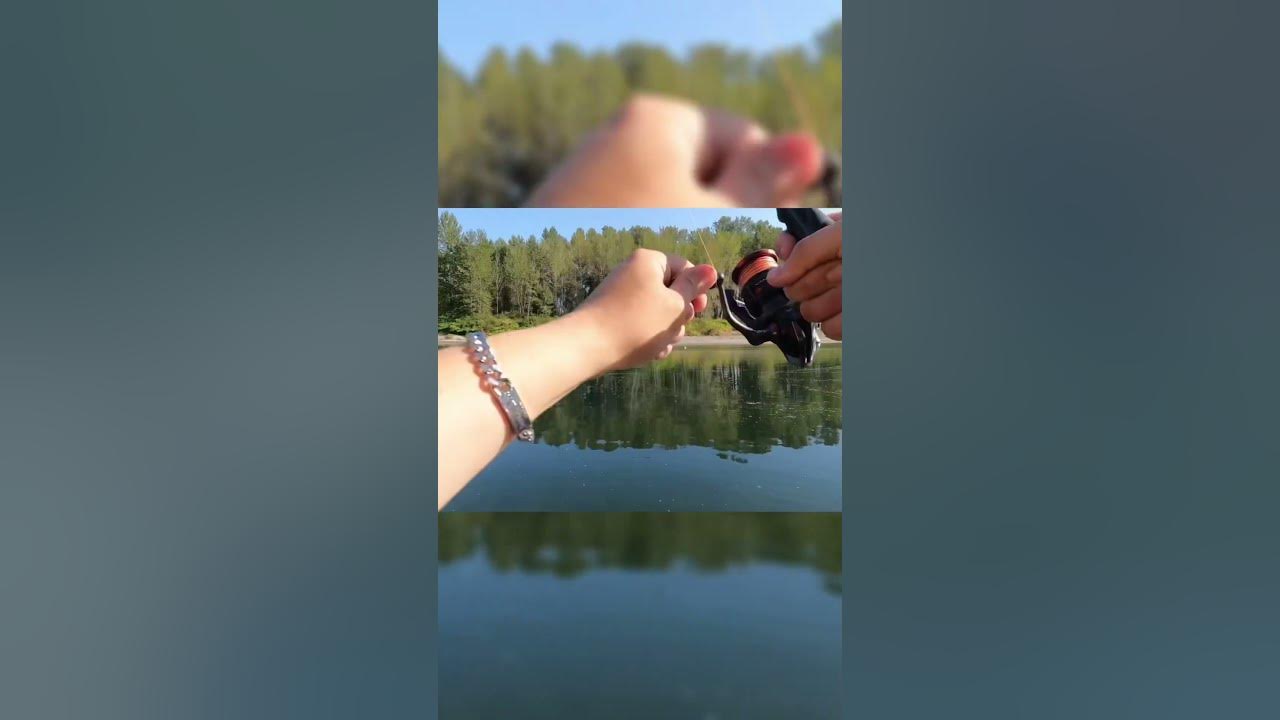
(454, 266)
(527, 279)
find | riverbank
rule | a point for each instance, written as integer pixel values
(687, 342)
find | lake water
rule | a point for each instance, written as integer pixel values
(639, 615)
(706, 429)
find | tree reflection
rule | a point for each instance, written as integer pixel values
(733, 400)
(568, 544)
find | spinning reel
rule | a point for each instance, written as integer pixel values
(762, 312)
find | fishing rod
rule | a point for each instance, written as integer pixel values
(763, 313)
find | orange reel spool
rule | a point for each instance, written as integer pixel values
(760, 261)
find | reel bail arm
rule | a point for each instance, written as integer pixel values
(735, 311)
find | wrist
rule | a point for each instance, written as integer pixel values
(590, 342)
(547, 362)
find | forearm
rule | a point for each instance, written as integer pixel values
(543, 363)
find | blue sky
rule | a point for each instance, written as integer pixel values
(505, 222)
(469, 28)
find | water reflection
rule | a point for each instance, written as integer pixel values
(735, 400)
(708, 429)
(639, 615)
(570, 544)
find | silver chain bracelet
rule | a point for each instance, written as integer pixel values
(500, 386)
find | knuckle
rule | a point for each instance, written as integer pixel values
(640, 108)
(801, 254)
(802, 288)
(641, 255)
(754, 133)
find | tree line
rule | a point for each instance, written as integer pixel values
(500, 132)
(496, 284)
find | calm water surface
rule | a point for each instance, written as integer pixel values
(639, 615)
(706, 429)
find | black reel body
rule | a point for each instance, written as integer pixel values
(830, 181)
(762, 312)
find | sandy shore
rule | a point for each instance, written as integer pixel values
(688, 342)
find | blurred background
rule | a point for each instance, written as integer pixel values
(520, 88)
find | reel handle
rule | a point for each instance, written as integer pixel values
(803, 222)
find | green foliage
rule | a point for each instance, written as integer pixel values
(503, 131)
(533, 320)
(496, 285)
(489, 324)
(708, 326)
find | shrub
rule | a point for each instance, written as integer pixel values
(494, 324)
(708, 326)
(489, 324)
(456, 326)
(535, 320)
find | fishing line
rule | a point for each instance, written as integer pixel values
(710, 261)
(829, 180)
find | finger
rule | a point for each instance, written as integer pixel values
(819, 309)
(832, 327)
(818, 248)
(775, 173)
(699, 303)
(813, 283)
(712, 136)
(721, 136)
(694, 281)
(836, 273)
(786, 244)
(686, 315)
(672, 266)
(666, 351)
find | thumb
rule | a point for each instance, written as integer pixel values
(694, 281)
(773, 173)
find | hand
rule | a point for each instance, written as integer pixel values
(641, 308)
(811, 275)
(663, 152)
